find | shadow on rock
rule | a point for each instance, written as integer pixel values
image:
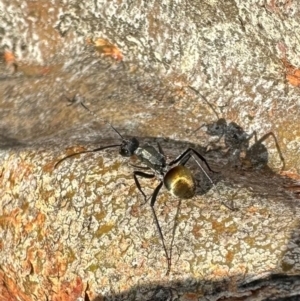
(268, 287)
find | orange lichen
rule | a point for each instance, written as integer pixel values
(9, 57)
(218, 226)
(220, 272)
(37, 225)
(9, 290)
(252, 209)
(292, 73)
(34, 259)
(70, 290)
(11, 220)
(106, 48)
(229, 257)
(293, 80)
(275, 7)
(11, 63)
(291, 174)
(22, 172)
(196, 231)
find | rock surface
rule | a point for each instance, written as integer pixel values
(180, 73)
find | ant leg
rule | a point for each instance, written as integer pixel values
(185, 153)
(160, 149)
(231, 207)
(137, 183)
(266, 136)
(184, 160)
(139, 167)
(153, 200)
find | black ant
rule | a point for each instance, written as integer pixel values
(174, 175)
(237, 141)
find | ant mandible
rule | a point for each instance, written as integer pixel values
(174, 175)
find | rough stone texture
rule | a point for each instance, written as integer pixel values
(79, 232)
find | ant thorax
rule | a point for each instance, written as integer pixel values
(151, 157)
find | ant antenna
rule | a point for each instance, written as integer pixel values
(96, 149)
(97, 118)
(205, 100)
(85, 152)
(198, 128)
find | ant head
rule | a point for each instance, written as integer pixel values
(128, 147)
(217, 128)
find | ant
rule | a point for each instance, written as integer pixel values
(237, 141)
(174, 175)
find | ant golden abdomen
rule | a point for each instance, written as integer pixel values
(180, 182)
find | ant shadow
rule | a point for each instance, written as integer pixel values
(212, 290)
